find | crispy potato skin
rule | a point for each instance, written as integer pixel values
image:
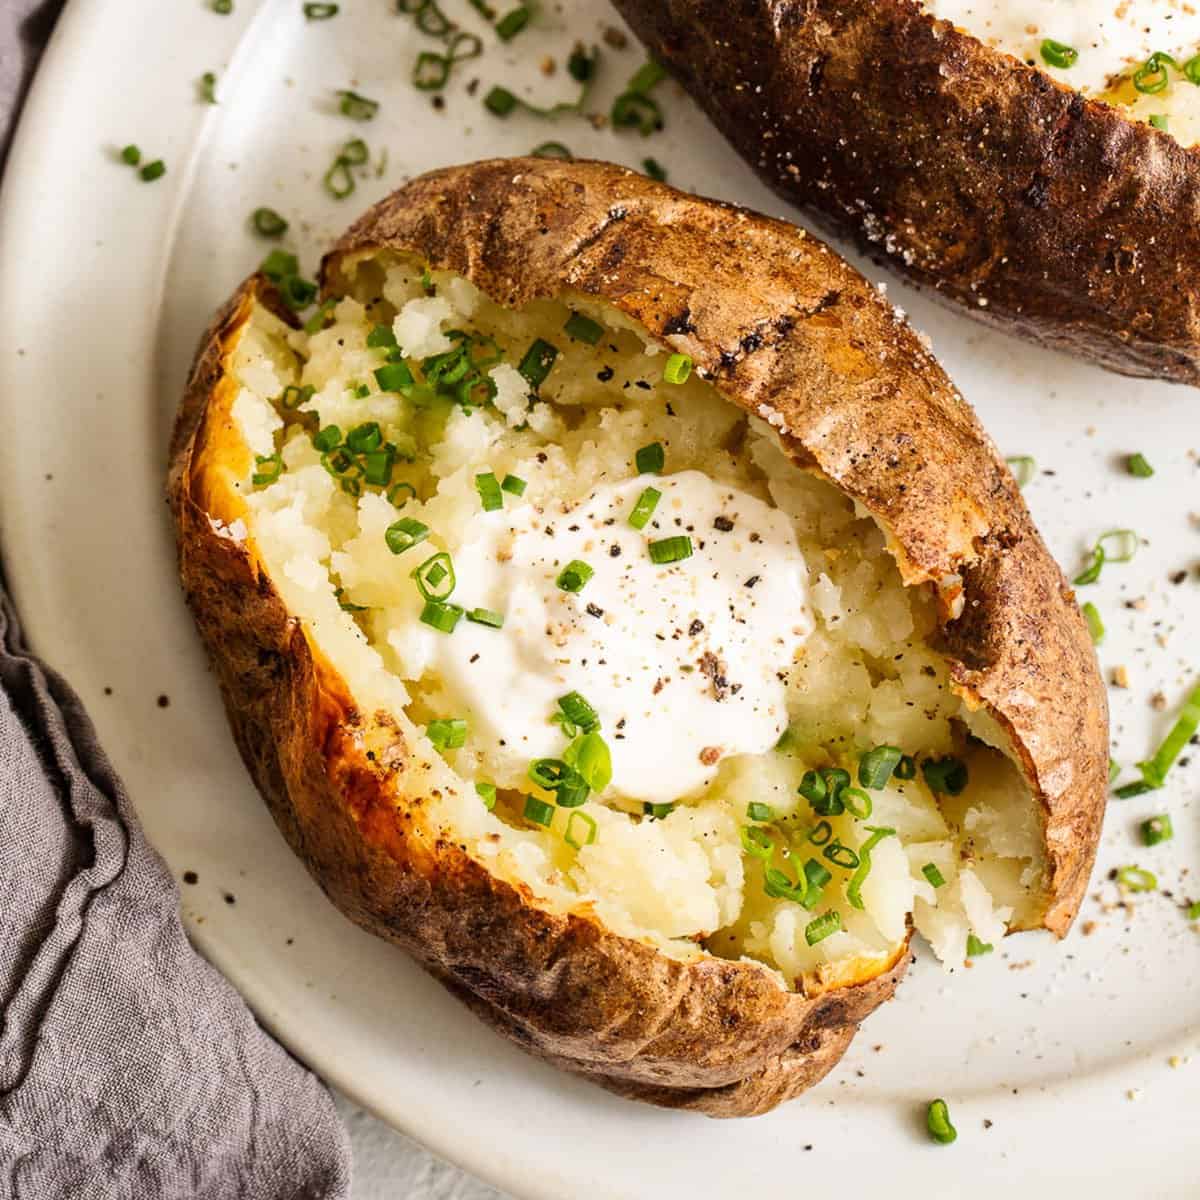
(782, 327)
(972, 173)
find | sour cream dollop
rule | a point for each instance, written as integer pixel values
(686, 663)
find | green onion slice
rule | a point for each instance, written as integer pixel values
(269, 468)
(400, 494)
(583, 329)
(538, 811)
(320, 12)
(906, 768)
(822, 927)
(678, 368)
(580, 831)
(1158, 121)
(669, 550)
(841, 855)
(514, 485)
(512, 23)
(654, 169)
(657, 812)
(535, 364)
(405, 533)
(435, 577)
(854, 889)
(1091, 614)
(975, 947)
(394, 377)
(875, 767)
(643, 510)
(579, 712)
(937, 1121)
(1023, 468)
(757, 842)
(947, 776)
(321, 318)
(356, 107)
(574, 576)
(487, 793)
(1154, 770)
(589, 755)
(1136, 879)
(131, 156)
(821, 834)
(1193, 911)
(551, 150)
(935, 877)
(1157, 829)
(441, 616)
(153, 170)
(1152, 76)
(650, 459)
(1137, 465)
(857, 803)
(447, 734)
(208, 87)
(757, 811)
(1059, 55)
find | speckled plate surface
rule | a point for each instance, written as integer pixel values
(1073, 1065)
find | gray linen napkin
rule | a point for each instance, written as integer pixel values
(129, 1068)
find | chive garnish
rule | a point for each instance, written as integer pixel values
(975, 947)
(1059, 55)
(757, 842)
(512, 23)
(906, 768)
(1158, 121)
(822, 927)
(268, 223)
(937, 1121)
(404, 534)
(551, 150)
(654, 169)
(400, 494)
(1137, 879)
(382, 337)
(1023, 468)
(224, 7)
(633, 108)
(678, 368)
(1137, 466)
(394, 377)
(320, 319)
(857, 803)
(536, 362)
(487, 793)
(1193, 911)
(486, 616)
(499, 101)
(1154, 770)
(320, 12)
(841, 855)
(854, 888)
(580, 66)
(583, 329)
(339, 179)
(587, 823)
(153, 170)
(947, 776)
(875, 767)
(657, 812)
(650, 459)
(670, 550)
(589, 756)
(435, 577)
(538, 811)
(514, 485)
(131, 156)
(1152, 76)
(269, 468)
(579, 712)
(1091, 614)
(1157, 829)
(757, 811)
(208, 87)
(935, 877)
(356, 107)
(447, 733)
(441, 616)
(488, 487)
(574, 576)
(643, 510)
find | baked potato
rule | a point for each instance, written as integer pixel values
(1033, 163)
(620, 611)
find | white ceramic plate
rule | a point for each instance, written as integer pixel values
(1056, 1058)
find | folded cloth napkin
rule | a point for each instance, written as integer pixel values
(129, 1068)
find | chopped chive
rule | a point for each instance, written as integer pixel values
(356, 107)
(670, 550)
(583, 329)
(400, 494)
(327, 439)
(1157, 829)
(377, 466)
(857, 803)
(320, 12)
(435, 577)
(346, 605)
(906, 768)
(294, 395)
(1137, 465)
(822, 927)
(657, 811)
(500, 101)
(1158, 121)
(854, 888)
(1193, 911)
(678, 368)
(1136, 879)
(394, 377)
(548, 773)
(365, 437)
(1057, 54)
(757, 842)
(320, 318)
(821, 833)
(487, 793)
(279, 264)
(1152, 76)
(1154, 770)
(591, 759)
(937, 1121)
(224, 7)
(579, 712)
(777, 885)
(514, 485)
(654, 169)
(486, 616)
(538, 811)
(552, 150)
(490, 495)
(208, 87)
(650, 459)
(574, 576)
(1091, 614)
(382, 337)
(441, 616)
(404, 534)
(131, 156)
(153, 170)
(841, 855)
(643, 510)
(1127, 542)
(817, 877)
(947, 776)
(1023, 468)
(975, 947)
(587, 823)
(875, 767)
(935, 877)
(270, 467)
(297, 293)
(1191, 69)
(1114, 770)
(631, 110)
(536, 363)
(447, 733)
(759, 812)
(512, 23)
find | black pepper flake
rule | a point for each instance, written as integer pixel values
(229, 898)
(541, 456)
(696, 628)
(190, 877)
(670, 410)
(605, 374)
(594, 610)
(752, 581)
(474, 657)
(164, 701)
(756, 537)
(614, 551)
(724, 524)
(643, 385)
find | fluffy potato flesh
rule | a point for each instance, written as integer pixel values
(1140, 56)
(693, 877)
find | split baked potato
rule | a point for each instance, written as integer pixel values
(1034, 163)
(620, 611)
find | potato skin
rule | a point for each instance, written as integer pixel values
(975, 175)
(786, 329)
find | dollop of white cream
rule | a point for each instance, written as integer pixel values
(1111, 36)
(686, 663)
